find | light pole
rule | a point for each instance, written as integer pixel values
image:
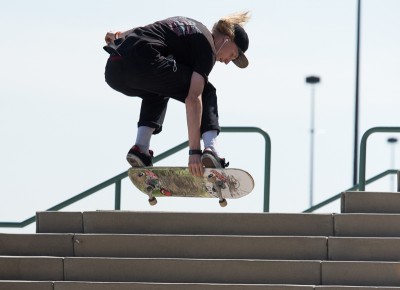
(357, 93)
(312, 80)
(392, 141)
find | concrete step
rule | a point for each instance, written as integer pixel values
(62, 285)
(367, 225)
(128, 222)
(26, 285)
(59, 222)
(354, 288)
(160, 270)
(121, 222)
(201, 247)
(370, 202)
(192, 271)
(361, 273)
(31, 268)
(60, 245)
(364, 249)
(171, 286)
(164, 246)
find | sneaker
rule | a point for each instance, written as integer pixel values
(210, 160)
(137, 158)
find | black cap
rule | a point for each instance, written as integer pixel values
(242, 41)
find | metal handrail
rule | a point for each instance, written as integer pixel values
(363, 161)
(363, 151)
(117, 179)
(355, 187)
(267, 157)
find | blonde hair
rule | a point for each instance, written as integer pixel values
(226, 25)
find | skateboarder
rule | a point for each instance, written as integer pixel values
(172, 58)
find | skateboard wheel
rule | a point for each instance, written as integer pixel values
(223, 203)
(153, 201)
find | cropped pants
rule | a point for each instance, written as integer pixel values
(155, 81)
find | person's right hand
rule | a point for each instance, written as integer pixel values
(195, 165)
(111, 36)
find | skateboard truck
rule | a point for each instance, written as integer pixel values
(152, 199)
(217, 186)
(149, 190)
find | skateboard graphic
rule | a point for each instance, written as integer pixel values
(179, 182)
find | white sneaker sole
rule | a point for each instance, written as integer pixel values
(134, 161)
(209, 161)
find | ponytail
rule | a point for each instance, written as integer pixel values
(226, 24)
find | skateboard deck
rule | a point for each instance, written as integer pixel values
(179, 182)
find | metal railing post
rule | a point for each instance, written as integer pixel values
(363, 151)
(267, 162)
(118, 195)
(398, 181)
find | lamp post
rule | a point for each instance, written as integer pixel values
(357, 93)
(312, 80)
(392, 142)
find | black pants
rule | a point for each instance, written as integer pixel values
(156, 79)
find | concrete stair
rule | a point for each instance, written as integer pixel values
(370, 202)
(117, 250)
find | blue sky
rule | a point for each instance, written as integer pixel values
(63, 130)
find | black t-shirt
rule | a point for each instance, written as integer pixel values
(189, 41)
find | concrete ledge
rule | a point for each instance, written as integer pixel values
(354, 288)
(31, 268)
(370, 202)
(60, 245)
(192, 271)
(364, 249)
(361, 273)
(25, 285)
(126, 222)
(165, 286)
(202, 247)
(59, 222)
(367, 225)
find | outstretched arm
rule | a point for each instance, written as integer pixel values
(194, 109)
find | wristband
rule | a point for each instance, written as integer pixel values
(195, 152)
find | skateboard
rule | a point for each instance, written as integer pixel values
(179, 182)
